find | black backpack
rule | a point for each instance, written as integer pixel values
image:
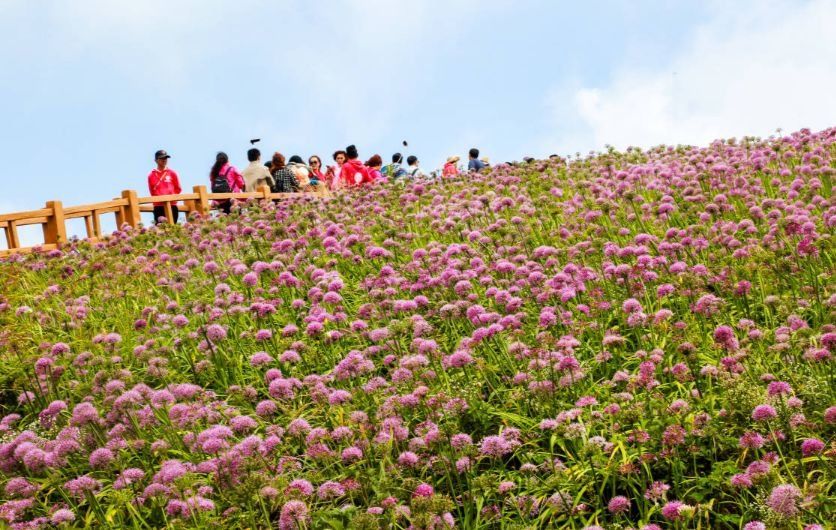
(220, 184)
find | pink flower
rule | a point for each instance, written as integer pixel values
(619, 504)
(812, 446)
(783, 500)
(506, 486)
(495, 446)
(777, 388)
(656, 491)
(20, 487)
(408, 459)
(674, 510)
(293, 516)
(215, 332)
(764, 413)
(62, 515)
(631, 305)
(300, 487)
(423, 490)
(741, 480)
(330, 490)
(351, 454)
(101, 457)
(260, 358)
(751, 440)
(724, 336)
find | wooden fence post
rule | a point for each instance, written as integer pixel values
(55, 230)
(169, 213)
(130, 213)
(202, 202)
(12, 239)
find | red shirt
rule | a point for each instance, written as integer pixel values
(165, 182)
(354, 173)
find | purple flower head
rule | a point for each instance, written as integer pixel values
(300, 487)
(495, 446)
(260, 358)
(20, 487)
(754, 525)
(408, 459)
(215, 332)
(724, 337)
(751, 440)
(101, 457)
(263, 334)
(741, 480)
(619, 504)
(423, 490)
(293, 516)
(675, 510)
(764, 413)
(812, 446)
(784, 499)
(778, 388)
(330, 490)
(62, 515)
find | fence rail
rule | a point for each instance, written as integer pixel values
(128, 209)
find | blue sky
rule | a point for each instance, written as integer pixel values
(91, 88)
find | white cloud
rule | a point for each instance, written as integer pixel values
(750, 70)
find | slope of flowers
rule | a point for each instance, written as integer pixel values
(632, 340)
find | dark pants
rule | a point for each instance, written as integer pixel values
(159, 211)
(225, 207)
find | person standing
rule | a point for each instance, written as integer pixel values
(334, 172)
(256, 174)
(225, 178)
(450, 169)
(414, 171)
(283, 176)
(300, 170)
(353, 172)
(317, 176)
(474, 164)
(395, 170)
(163, 181)
(373, 166)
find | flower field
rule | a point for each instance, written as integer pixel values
(629, 340)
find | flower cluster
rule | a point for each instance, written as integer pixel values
(637, 339)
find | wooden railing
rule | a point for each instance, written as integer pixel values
(128, 209)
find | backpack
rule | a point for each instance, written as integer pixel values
(220, 184)
(391, 172)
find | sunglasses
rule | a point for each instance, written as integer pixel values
(313, 162)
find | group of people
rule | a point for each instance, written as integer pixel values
(283, 175)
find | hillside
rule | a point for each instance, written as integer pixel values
(626, 340)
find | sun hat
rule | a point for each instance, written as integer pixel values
(453, 159)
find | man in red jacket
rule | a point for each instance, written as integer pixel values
(354, 173)
(163, 181)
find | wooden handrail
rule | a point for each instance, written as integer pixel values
(168, 198)
(24, 215)
(115, 203)
(127, 208)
